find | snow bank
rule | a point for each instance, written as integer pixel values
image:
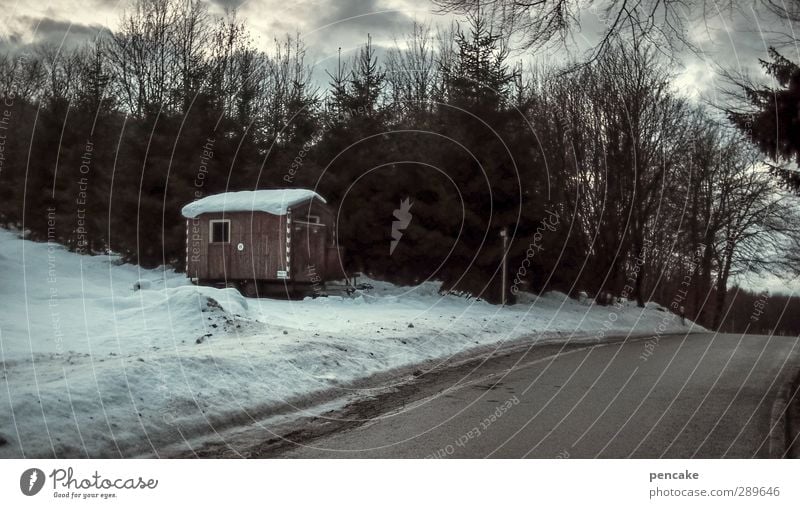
(274, 201)
(95, 368)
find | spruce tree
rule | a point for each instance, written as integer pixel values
(774, 125)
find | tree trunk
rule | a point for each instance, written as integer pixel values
(722, 293)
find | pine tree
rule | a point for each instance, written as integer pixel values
(481, 78)
(366, 82)
(773, 125)
(337, 97)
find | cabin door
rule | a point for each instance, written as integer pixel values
(219, 249)
(308, 252)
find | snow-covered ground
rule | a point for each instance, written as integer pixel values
(92, 367)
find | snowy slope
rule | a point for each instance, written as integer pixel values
(92, 367)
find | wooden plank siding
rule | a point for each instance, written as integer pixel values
(263, 237)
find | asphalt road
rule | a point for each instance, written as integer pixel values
(701, 395)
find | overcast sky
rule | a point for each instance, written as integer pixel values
(732, 40)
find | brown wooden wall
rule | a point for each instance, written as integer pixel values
(263, 236)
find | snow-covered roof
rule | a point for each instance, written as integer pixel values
(274, 201)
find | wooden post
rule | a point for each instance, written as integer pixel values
(504, 236)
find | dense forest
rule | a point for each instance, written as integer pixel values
(607, 179)
(761, 313)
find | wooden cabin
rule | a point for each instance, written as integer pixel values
(262, 242)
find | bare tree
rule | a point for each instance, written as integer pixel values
(140, 52)
(61, 70)
(758, 221)
(189, 40)
(411, 69)
(539, 22)
(21, 76)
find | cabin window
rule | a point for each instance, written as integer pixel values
(220, 231)
(309, 219)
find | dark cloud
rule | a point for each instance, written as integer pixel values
(55, 31)
(372, 14)
(35, 31)
(347, 24)
(228, 4)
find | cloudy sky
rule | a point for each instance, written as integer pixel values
(325, 25)
(731, 39)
